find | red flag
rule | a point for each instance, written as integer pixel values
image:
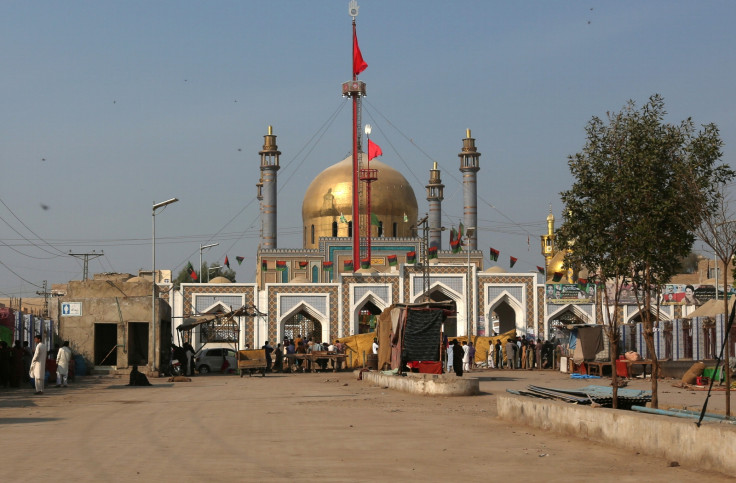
(227, 262)
(512, 261)
(374, 150)
(359, 64)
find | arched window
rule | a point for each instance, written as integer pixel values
(396, 229)
(334, 228)
(285, 276)
(380, 229)
(350, 228)
(312, 234)
(315, 274)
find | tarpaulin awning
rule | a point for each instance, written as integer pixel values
(192, 322)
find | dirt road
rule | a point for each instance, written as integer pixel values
(326, 427)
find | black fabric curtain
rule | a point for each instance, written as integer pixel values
(422, 335)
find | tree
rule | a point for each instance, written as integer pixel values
(718, 231)
(184, 277)
(641, 187)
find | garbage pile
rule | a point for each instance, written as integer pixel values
(589, 395)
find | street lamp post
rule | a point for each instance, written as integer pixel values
(201, 248)
(469, 231)
(156, 206)
(210, 269)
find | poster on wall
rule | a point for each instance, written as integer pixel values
(695, 294)
(570, 293)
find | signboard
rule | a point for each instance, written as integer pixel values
(570, 293)
(681, 294)
(71, 309)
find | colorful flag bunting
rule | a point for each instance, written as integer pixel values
(557, 277)
(374, 150)
(512, 261)
(392, 261)
(432, 252)
(461, 232)
(494, 254)
(411, 257)
(303, 265)
(327, 266)
(365, 263)
(540, 269)
(348, 266)
(280, 265)
(227, 262)
(240, 259)
(264, 265)
(359, 64)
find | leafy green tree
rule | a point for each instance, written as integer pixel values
(641, 187)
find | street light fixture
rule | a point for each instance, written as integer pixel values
(469, 232)
(210, 269)
(201, 248)
(156, 206)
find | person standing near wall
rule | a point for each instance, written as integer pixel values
(510, 353)
(63, 357)
(38, 365)
(457, 358)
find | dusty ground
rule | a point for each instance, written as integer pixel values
(326, 427)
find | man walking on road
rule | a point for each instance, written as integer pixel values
(63, 356)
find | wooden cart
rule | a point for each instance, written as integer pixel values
(250, 360)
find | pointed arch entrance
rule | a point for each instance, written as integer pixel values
(568, 315)
(302, 324)
(451, 321)
(506, 317)
(367, 317)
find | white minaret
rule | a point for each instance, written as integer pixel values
(469, 158)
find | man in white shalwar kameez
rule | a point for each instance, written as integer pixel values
(38, 365)
(62, 364)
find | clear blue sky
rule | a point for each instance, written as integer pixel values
(110, 106)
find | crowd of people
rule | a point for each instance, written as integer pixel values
(292, 348)
(19, 364)
(517, 353)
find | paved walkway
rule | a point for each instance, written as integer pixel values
(326, 427)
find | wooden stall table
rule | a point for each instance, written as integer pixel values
(336, 359)
(291, 363)
(595, 368)
(643, 363)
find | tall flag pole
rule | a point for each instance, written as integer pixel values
(354, 90)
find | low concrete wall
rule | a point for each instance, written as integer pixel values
(709, 447)
(427, 384)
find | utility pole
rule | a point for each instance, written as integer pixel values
(425, 255)
(86, 257)
(45, 294)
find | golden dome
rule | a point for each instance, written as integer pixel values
(330, 196)
(495, 269)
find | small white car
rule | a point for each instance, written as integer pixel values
(210, 360)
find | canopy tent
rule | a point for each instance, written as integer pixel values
(586, 341)
(194, 321)
(411, 332)
(711, 308)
